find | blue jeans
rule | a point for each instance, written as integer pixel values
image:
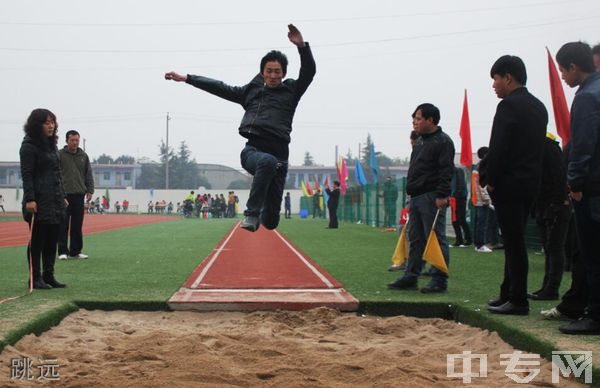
(587, 215)
(267, 187)
(422, 214)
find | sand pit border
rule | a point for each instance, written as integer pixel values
(512, 335)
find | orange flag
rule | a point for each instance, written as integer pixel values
(401, 252)
(433, 252)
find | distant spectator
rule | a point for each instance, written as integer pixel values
(125, 205)
(150, 207)
(2, 204)
(288, 205)
(118, 207)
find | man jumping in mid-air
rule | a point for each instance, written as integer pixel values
(270, 104)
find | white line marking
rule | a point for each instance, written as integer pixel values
(266, 290)
(212, 260)
(309, 265)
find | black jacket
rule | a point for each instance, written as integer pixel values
(554, 176)
(514, 162)
(458, 184)
(42, 180)
(334, 197)
(431, 165)
(584, 160)
(267, 122)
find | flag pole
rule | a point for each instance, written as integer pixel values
(435, 219)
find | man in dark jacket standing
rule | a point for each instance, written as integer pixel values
(270, 104)
(332, 204)
(428, 184)
(79, 186)
(513, 171)
(459, 221)
(576, 65)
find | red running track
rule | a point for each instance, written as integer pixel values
(259, 271)
(16, 233)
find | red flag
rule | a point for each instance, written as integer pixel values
(466, 152)
(316, 183)
(343, 173)
(309, 188)
(326, 184)
(562, 118)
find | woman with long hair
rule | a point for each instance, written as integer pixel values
(43, 194)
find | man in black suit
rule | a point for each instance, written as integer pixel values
(332, 204)
(513, 170)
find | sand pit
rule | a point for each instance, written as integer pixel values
(316, 348)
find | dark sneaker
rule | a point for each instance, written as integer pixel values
(250, 223)
(497, 302)
(403, 284)
(581, 326)
(509, 308)
(394, 267)
(433, 289)
(544, 295)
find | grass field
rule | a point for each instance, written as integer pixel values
(141, 267)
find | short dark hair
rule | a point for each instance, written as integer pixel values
(35, 121)
(596, 50)
(337, 183)
(428, 111)
(72, 132)
(277, 56)
(482, 152)
(510, 64)
(577, 53)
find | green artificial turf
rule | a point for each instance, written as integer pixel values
(140, 268)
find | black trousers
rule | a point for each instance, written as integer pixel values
(461, 227)
(267, 187)
(43, 243)
(333, 221)
(587, 215)
(574, 301)
(512, 218)
(554, 223)
(71, 226)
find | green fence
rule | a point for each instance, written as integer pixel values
(374, 204)
(379, 205)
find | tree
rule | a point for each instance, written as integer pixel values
(104, 159)
(308, 159)
(125, 159)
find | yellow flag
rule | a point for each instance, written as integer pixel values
(433, 253)
(304, 191)
(401, 251)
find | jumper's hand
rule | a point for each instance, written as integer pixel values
(295, 36)
(175, 77)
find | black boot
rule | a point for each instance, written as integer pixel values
(51, 281)
(39, 284)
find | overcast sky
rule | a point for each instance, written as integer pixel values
(99, 67)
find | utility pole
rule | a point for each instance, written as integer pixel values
(167, 155)
(84, 144)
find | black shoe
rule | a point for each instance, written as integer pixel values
(39, 284)
(250, 223)
(497, 302)
(51, 281)
(543, 295)
(403, 284)
(509, 308)
(400, 267)
(429, 272)
(581, 326)
(433, 289)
